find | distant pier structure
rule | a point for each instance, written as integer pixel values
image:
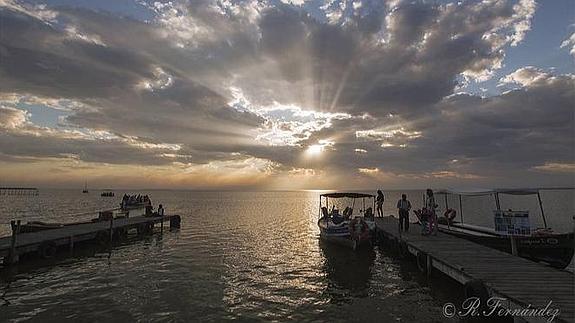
(20, 191)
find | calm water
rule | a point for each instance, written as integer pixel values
(238, 255)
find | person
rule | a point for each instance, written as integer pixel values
(431, 206)
(379, 200)
(403, 207)
(423, 217)
(160, 210)
(449, 215)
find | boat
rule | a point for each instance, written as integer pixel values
(85, 190)
(541, 244)
(107, 194)
(348, 228)
(35, 226)
(131, 202)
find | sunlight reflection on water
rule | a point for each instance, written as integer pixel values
(238, 255)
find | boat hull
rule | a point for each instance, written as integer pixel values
(341, 234)
(43, 226)
(554, 249)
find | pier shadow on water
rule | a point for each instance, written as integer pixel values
(83, 252)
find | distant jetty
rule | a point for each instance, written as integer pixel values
(44, 240)
(21, 191)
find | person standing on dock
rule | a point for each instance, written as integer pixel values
(403, 207)
(431, 206)
(379, 201)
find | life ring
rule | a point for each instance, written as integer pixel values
(48, 250)
(476, 288)
(359, 229)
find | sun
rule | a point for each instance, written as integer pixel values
(315, 149)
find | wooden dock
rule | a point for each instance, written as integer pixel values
(520, 281)
(25, 191)
(45, 243)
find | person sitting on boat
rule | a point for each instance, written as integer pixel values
(347, 212)
(368, 213)
(431, 206)
(160, 210)
(379, 201)
(336, 217)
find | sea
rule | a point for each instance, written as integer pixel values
(247, 256)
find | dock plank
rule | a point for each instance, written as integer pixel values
(519, 280)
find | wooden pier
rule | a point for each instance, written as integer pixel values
(45, 243)
(520, 281)
(20, 191)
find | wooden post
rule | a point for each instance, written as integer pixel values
(12, 257)
(514, 246)
(541, 207)
(429, 266)
(461, 209)
(111, 229)
(162, 225)
(71, 244)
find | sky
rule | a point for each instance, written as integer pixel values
(287, 94)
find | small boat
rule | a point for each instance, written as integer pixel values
(541, 245)
(347, 228)
(35, 226)
(107, 194)
(131, 202)
(85, 190)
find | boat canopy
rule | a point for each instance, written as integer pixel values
(343, 195)
(509, 191)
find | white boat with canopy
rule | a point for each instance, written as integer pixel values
(354, 225)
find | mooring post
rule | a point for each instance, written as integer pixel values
(162, 225)
(111, 229)
(71, 244)
(12, 255)
(399, 227)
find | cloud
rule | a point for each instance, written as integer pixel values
(556, 167)
(528, 76)
(569, 43)
(251, 88)
(11, 118)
